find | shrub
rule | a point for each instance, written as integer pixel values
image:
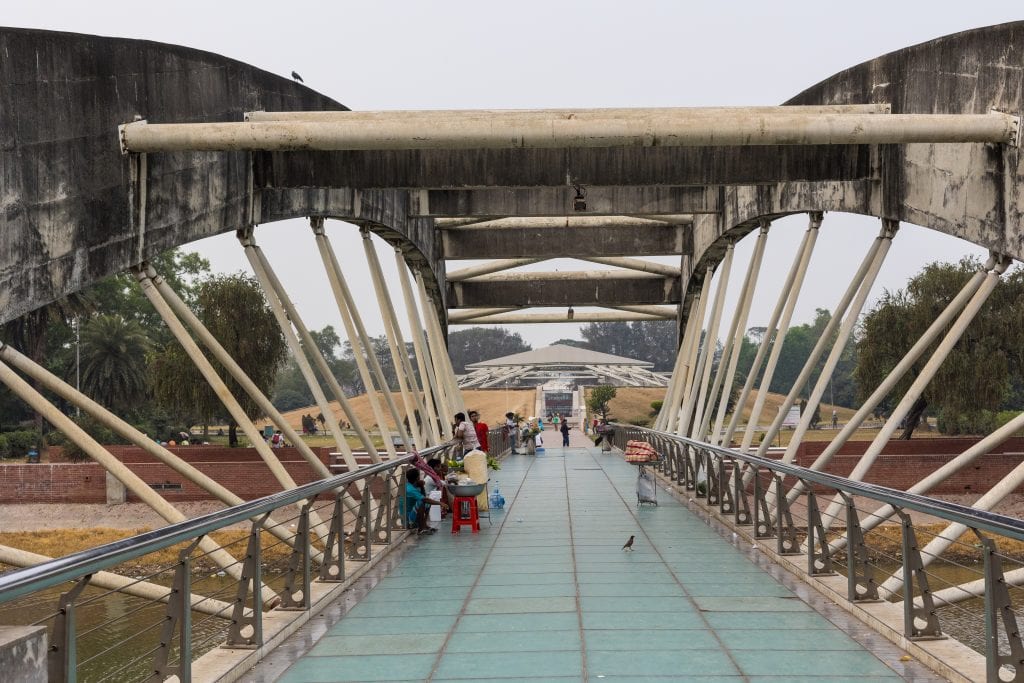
(17, 444)
(99, 432)
(973, 422)
(656, 407)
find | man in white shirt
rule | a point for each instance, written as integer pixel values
(465, 433)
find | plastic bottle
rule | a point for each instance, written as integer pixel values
(497, 500)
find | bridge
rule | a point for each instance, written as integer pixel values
(116, 150)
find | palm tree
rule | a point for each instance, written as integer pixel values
(114, 352)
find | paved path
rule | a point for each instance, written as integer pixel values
(546, 593)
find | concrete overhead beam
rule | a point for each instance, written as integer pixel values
(636, 264)
(566, 289)
(683, 127)
(676, 202)
(518, 243)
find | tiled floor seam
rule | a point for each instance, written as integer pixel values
(725, 649)
(476, 581)
(843, 621)
(575, 574)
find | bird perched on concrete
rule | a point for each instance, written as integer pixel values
(629, 545)
(297, 77)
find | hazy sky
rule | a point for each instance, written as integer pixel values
(528, 54)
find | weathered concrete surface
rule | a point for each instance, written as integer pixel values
(23, 654)
(539, 290)
(971, 191)
(567, 242)
(69, 206)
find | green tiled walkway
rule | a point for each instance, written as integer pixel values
(547, 594)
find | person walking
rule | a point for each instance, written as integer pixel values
(565, 432)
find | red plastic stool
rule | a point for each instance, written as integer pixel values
(464, 513)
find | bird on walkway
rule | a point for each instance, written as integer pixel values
(297, 77)
(629, 545)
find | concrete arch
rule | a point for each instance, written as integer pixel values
(971, 191)
(73, 209)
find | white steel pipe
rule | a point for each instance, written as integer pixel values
(396, 344)
(577, 222)
(288, 318)
(832, 360)
(360, 349)
(778, 323)
(552, 130)
(901, 368)
(457, 315)
(446, 401)
(737, 332)
(116, 468)
(710, 345)
(578, 317)
(693, 352)
(419, 347)
(224, 358)
(53, 383)
(640, 265)
(220, 388)
(439, 351)
(918, 386)
(122, 584)
(649, 309)
(823, 341)
(677, 370)
(488, 268)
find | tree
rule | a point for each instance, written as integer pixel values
(982, 368)
(570, 342)
(653, 341)
(114, 354)
(597, 401)
(476, 344)
(235, 311)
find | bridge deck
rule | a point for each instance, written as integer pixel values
(546, 593)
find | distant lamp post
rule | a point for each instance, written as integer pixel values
(78, 363)
(570, 314)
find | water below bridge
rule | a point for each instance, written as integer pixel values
(545, 592)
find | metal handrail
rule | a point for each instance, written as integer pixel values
(1010, 527)
(21, 582)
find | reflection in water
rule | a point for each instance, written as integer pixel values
(118, 634)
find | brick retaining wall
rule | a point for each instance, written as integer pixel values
(242, 471)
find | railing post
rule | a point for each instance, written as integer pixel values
(332, 569)
(786, 542)
(382, 520)
(711, 481)
(359, 548)
(298, 567)
(860, 575)
(742, 501)
(690, 461)
(998, 607)
(913, 572)
(62, 660)
(179, 614)
(763, 527)
(246, 630)
(726, 503)
(819, 563)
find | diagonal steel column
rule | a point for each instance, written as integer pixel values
(690, 360)
(777, 327)
(439, 352)
(232, 405)
(823, 340)
(711, 343)
(224, 358)
(673, 382)
(896, 374)
(287, 317)
(396, 343)
(446, 402)
(419, 346)
(53, 383)
(132, 482)
(360, 343)
(734, 341)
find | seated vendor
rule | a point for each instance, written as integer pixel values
(415, 503)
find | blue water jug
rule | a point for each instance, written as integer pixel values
(496, 500)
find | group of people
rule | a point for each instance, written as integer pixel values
(560, 424)
(471, 435)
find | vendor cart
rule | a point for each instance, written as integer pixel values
(641, 454)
